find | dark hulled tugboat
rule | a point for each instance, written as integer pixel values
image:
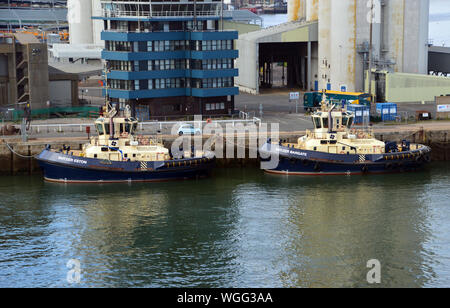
(117, 155)
(335, 147)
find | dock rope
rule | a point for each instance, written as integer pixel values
(20, 155)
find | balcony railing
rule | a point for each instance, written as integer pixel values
(149, 14)
(162, 31)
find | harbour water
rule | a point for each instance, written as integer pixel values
(240, 228)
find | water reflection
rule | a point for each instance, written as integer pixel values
(240, 228)
(335, 228)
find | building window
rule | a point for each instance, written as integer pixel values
(156, 46)
(224, 82)
(116, 65)
(118, 46)
(121, 84)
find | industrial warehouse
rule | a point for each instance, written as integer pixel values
(252, 145)
(326, 46)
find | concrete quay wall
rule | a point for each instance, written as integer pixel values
(12, 164)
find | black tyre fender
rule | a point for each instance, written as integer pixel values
(317, 167)
(365, 169)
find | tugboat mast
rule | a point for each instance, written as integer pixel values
(109, 110)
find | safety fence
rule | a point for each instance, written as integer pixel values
(150, 127)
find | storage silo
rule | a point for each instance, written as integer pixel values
(296, 9)
(406, 35)
(97, 24)
(343, 45)
(312, 10)
(79, 14)
(416, 37)
(395, 32)
(324, 43)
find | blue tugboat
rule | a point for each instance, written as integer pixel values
(116, 155)
(335, 147)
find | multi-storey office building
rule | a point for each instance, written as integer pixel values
(169, 57)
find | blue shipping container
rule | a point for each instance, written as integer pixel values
(387, 111)
(361, 112)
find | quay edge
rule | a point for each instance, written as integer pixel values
(12, 164)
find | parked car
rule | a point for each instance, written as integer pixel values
(189, 129)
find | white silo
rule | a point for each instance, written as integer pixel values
(79, 14)
(296, 9)
(395, 21)
(97, 24)
(406, 35)
(423, 36)
(324, 43)
(416, 36)
(399, 39)
(312, 10)
(343, 45)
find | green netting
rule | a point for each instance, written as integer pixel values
(80, 112)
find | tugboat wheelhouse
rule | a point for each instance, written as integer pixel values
(169, 57)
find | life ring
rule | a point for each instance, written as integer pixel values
(209, 121)
(343, 152)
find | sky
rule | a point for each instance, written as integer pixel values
(440, 22)
(437, 6)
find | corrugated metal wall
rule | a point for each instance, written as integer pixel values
(402, 87)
